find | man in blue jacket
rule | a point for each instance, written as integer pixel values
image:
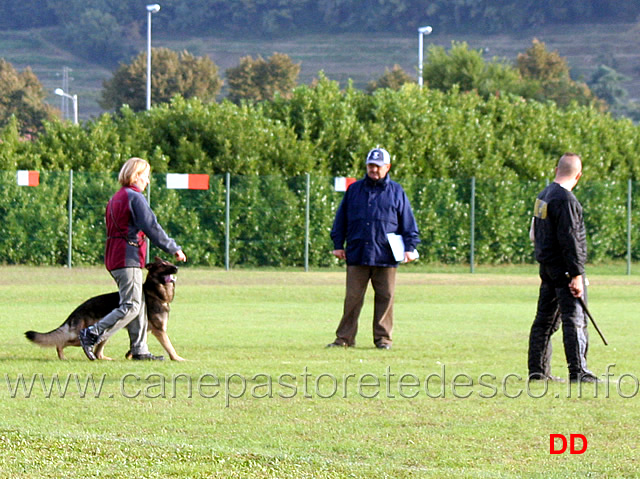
(371, 208)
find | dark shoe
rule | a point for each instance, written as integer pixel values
(545, 377)
(383, 346)
(337, 345)
(88, 339)
(585, 378)
(147, 357)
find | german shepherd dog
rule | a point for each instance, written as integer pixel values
(159, 289)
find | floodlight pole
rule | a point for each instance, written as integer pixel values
(74, 100)
(422, 31)
(151, 9)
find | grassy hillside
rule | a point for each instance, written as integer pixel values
(359, 57)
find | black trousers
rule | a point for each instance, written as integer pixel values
(556, 305)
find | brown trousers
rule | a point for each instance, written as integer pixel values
(383, 281)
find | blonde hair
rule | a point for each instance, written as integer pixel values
(131, 170)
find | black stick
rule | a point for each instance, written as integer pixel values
(593, 321)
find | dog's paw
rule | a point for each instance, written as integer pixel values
(104, 358)
(177, 358)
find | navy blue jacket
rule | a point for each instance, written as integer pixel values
(369, 210)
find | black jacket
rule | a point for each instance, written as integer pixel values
(560, 237)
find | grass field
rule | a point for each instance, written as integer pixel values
(261, 397)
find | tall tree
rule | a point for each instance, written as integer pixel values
(467, 70)
(22, 96)
(539, 63)
(260, 79)
(97, 34)
(551, 72)
(172, 74)
(394, 79)
(606, 83)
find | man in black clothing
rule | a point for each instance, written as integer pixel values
(561, 249)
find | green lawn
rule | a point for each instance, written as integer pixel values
(260, 396)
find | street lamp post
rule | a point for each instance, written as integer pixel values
(74, 99)
(154, 8)
(422, 31)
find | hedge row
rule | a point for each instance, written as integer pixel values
(267, 219)
(439, 141)
(322, 128)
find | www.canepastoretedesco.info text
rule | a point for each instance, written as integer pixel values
(310, 385)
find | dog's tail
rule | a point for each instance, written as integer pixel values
(58, 337)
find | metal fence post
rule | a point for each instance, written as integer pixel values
(306, 222)
(227, 215)
(473, 222)
(69, 251)
(629, 193)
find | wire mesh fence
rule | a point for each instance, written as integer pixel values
(280, 221)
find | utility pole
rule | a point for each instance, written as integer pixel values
(64, 101)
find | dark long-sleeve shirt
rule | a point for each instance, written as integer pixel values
(560, 236)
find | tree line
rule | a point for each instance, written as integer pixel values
(433, 134)
(261, 17)
(537, 74)
(112, 31)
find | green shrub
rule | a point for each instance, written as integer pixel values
(438, 142)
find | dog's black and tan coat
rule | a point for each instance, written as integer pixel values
(159, 290)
